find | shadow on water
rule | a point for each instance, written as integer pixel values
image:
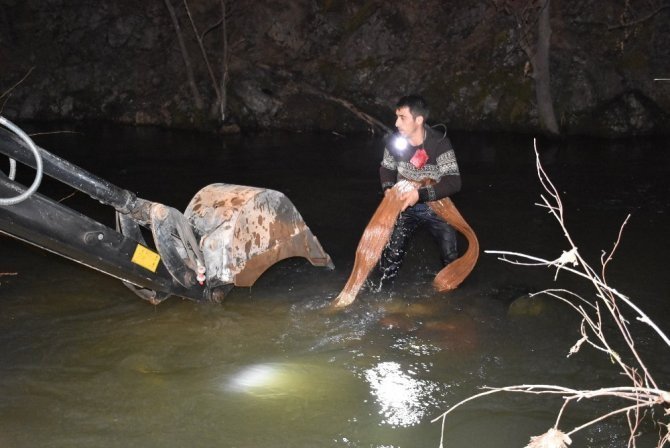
(85, 363)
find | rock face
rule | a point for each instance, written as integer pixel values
(329, 64)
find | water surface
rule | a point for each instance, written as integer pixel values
(86, 363)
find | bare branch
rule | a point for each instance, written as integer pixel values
(643, 393)
(203, 52)
(185, 56)
(370, 120)
(639, 20)
(225, 59)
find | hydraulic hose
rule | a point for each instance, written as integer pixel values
(12, 164)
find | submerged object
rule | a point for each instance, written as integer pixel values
(456, 333)
(527, 305)
(228, 236)
(378, 231)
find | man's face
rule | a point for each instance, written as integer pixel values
(406, 124)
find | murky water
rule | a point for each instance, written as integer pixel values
(86, 363)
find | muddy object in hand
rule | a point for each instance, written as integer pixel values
(377, 233)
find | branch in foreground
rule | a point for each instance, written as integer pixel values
(642, 393)
(642, 316)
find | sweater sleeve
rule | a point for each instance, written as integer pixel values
(447, 186)
(450, 177)
(388, 171)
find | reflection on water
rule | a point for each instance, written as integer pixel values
(252, 378)
(86, 363)
(404, 399)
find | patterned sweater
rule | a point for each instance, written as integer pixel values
(439, 170)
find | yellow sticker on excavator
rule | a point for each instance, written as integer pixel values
(146, 258)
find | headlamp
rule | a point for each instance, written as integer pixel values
(400, 143)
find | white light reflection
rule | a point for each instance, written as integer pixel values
(288, 379)
(253, 377)
(415, 346)
(403, 399)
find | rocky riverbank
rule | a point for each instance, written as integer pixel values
(332, 65)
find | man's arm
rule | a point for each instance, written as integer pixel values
(447, 186)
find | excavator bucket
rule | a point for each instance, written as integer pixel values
(245, 230)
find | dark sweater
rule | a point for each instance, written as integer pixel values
(441, 168)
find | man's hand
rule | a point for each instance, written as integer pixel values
(405, 191)
(409, 198)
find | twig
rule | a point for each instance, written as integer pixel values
(639, 20)
(203, 52)
(37, 134)
(68, 196)
(370, 120)
(224, 62)
(210, 29)
(8, 91)
(642, 317)
(185, 56)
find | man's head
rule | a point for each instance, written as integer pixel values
(411, 112)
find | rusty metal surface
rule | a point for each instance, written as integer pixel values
(245, 230)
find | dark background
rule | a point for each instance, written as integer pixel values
(336, 65)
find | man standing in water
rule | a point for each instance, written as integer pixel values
(425, 157)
